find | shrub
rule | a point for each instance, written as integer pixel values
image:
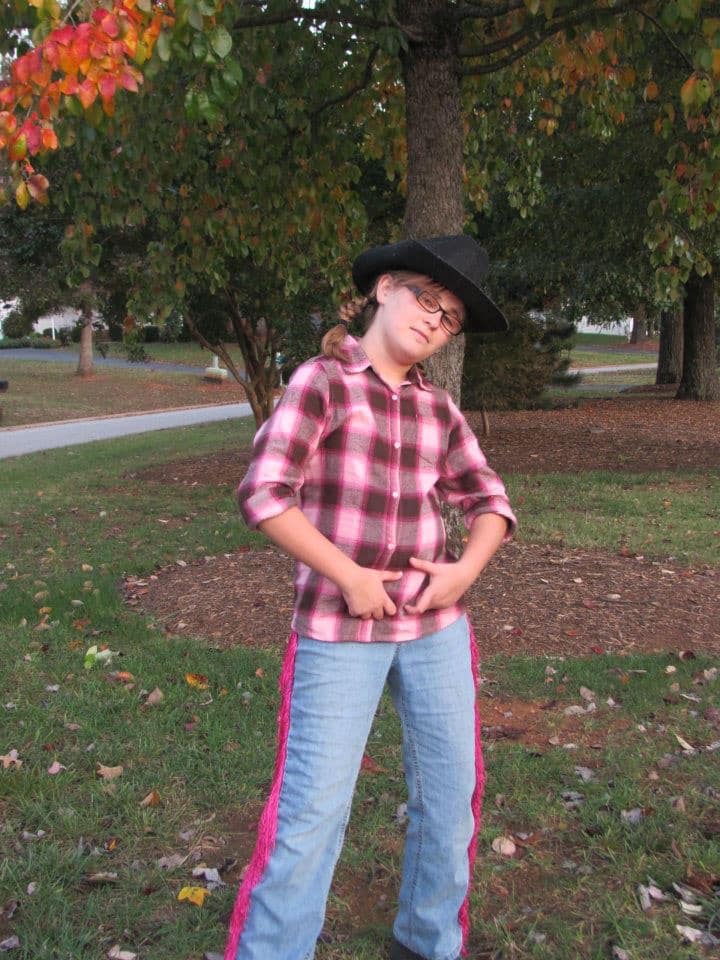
(17, 324)
(134, 348)
(510, 371)
(150, 333)
(39, 343)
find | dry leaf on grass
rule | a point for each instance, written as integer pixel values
(109, 773)
(194, 895)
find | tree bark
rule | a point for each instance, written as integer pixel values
(699, 373)
(434, 131)
(639, 327)
(85, 360)
(670, 354)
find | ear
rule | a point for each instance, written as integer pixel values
(384, 286)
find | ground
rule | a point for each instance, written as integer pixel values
(533, 599)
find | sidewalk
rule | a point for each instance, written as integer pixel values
(16, 441)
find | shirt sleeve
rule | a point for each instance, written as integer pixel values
(467, 482)
(284, 444)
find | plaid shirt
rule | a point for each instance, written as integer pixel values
(368, 464)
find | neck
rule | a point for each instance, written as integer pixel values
(392, 372)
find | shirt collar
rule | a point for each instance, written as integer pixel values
(358, 361)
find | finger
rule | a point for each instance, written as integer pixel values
(422, 604)
(389, 607)
(390, 575)
(365, 616)
(378, 613)
(427, 565)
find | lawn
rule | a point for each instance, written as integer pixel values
(45, 391)
(137, 771)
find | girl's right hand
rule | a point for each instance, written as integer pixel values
(365, 594)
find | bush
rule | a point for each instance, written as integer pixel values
(115, 332)
(150, 333)
(511, 371)
(39, 343)
(17, 324)
(134, 348)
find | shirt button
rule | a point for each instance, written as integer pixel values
(396, 494)
(391, 546)
(397, 444)
(394, 396)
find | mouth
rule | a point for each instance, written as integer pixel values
(420, 334)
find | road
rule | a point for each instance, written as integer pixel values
(16, 441)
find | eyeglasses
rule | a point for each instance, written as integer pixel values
(450, 323)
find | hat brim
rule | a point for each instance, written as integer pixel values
(483, 316)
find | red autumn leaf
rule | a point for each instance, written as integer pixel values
(49, 139)
(107, 87)
(87, 93)
(368, 765)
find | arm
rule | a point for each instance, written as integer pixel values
(361, 587)
(449, 581)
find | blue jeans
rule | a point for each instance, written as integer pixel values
(336, 688)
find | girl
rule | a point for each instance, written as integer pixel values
(347, 476)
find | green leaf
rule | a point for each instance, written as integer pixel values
(195, 18)
(163, 46)
(221, 42)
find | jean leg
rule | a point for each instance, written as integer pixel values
(335, 693)
(433, 687)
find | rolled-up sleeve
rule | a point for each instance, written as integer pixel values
(283, 446)
(467, 482)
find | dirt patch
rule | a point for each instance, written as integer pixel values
(531, 600)
(635, 435)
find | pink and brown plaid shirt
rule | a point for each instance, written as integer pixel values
(368, 464)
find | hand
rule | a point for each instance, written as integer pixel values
(447, 583)
(365, 594)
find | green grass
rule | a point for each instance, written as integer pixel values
(74, 524)
(655, 514)
(192, 354)
(46, 391)
(587, 358)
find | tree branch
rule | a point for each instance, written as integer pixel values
(295, 12)
(558, 26)
(486, 11)
(667, 36)
(366, 77)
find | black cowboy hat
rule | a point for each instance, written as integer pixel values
(458, 263)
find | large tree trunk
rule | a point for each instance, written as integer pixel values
(699, 373)
(85, 360)
(434, 146)
(670, 354)
(639, 327)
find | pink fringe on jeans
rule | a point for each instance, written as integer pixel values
(476, 803)
(267, 827)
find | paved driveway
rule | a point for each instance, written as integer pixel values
(15, 441)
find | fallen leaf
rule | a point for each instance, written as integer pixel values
(368, 765)
(10, 760)
(171, 862)
(55, 767)
(9, 943)
(194, 895)
(109, 773)
(198, 681)
(115, 953)
(155, 697)
(505, 846)
(98, 879)
(151, 800)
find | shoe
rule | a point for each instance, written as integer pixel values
(400, 952)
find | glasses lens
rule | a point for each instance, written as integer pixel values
(427, 301)
(451, 324)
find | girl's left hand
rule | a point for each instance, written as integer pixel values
(448, 582)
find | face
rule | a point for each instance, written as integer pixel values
(417, 315)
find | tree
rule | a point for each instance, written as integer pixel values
(368, 56)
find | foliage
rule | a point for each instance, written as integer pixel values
(134, 347)
(511, 371)
(39, 343)
(17, 324)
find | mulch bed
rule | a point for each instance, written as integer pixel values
(532, 599)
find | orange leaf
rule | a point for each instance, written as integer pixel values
(197, 680)
(22, 195)
(151, 800)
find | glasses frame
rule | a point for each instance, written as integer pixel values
(450, 324)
